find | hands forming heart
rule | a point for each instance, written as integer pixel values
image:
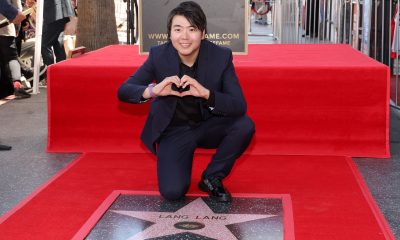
(185, 86)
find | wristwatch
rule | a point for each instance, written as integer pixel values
(151, 86)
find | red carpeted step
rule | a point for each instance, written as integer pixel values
(304, 99)
(330, 200)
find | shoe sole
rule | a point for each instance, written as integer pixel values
(21, 97)
(203, 187)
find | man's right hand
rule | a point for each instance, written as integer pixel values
(19, 18)
(164, 88)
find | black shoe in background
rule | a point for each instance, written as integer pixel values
(26, 70)
(42, 74)
(4, 147)
(28, 73)
(215, 189)
(20, 93)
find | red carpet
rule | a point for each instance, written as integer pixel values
(305, 100)
(326, 100)
(330, 200)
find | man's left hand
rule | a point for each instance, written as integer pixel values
(196, 89)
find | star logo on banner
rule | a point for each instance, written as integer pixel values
(196, 217)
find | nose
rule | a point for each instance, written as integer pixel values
(185, 34)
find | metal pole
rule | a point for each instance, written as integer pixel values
(314, 20)
(390, 32)
(296, 20)
(249, 19)
(344, 22)
(330, 22)
(376, 28)
(301, 14)
(287, 21)
(308, 17)
(323, 21)
(357, 38)
(396, 55)
(291, 21)
(134, 8)
(339, 21)
(366, 26)
(38, 45)
(351, 33)
(131, 24)
(383, 31)
(128, 20)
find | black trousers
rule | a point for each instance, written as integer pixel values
(8, 52)
(230, 136)
(53, 40)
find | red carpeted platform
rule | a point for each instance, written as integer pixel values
(330, 200)
(304, 99)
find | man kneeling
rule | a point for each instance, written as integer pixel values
(196, 102)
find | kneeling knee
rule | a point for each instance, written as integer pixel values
(173, 194)
(247, 127)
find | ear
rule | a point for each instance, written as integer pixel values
(203, 35)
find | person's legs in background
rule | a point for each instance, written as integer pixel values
(53, 39)
(47, 51)
(2, 147)
(6, 87)
(58, 47)
(11, 65)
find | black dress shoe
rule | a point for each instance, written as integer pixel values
(215, 189)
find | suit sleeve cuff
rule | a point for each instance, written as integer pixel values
(210, 103)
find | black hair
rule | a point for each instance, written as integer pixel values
(192, 12)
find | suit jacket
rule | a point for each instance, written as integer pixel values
(215, 72)
(54, 10)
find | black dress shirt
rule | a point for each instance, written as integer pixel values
(188, 108)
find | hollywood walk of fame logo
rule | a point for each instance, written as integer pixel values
(189, 225)
(137, 217)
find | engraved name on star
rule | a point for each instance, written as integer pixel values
(196, 217)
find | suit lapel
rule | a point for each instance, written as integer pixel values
(172, 61)
(171, 69)
(203, 63)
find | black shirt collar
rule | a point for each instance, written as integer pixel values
(190, 71)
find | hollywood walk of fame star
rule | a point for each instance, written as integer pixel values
(197, 215)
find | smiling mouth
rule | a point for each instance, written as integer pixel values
(185, 44)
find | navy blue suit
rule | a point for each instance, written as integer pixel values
(225, 127)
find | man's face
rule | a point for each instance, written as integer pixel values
(185, 38)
